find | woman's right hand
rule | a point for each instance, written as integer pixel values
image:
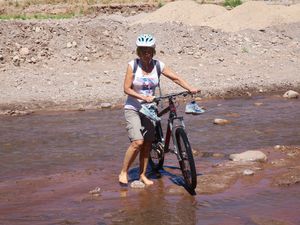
(148, 99)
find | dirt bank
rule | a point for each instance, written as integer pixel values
(80, 63)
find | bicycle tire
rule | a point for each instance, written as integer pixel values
(187, 163)
(156, 158)
(157, 154)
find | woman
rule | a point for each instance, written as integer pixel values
(140, 82)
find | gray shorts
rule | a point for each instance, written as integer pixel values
(138, 126)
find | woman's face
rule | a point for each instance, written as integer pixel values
(146, 53)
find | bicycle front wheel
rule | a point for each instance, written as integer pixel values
(187, 163)
(156, 159)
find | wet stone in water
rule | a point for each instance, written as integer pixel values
(221, 121)
(106, 105)
(137, 184)
(96, 191)
(291, 94)
(249, 156)
(248, 172)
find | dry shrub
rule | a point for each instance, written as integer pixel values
(26, 3)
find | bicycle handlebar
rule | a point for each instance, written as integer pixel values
(183, 93)
(157, 99)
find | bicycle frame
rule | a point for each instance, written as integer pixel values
(171, 108)
(181, 146)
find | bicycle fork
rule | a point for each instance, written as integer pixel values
(173, 129)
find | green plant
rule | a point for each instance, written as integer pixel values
(160, 4)
(245, 50)
(36, 16)
(232, 3)
(17, 4)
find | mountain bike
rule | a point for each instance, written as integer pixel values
(181, 145)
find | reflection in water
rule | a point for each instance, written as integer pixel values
(152, 206)
(49, 162)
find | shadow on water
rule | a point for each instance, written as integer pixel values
(49, 163)
(154, 175)
(176, 179)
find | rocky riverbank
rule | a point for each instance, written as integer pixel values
(80, 63)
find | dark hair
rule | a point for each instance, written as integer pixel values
(138, 51)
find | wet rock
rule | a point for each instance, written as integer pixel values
(221, 121)
(279, 147)
(259, 220)
(249, 156)
(108, 215)
(258, 103)
(248, 172)
(219, 155)
(291, 94)
(137, 184)
(195, 152)
(96, 191)
(215, 183)
(16, 113)
(233, 115)
(175, 190)
(105, 105)
(289, 150)
(288, 178)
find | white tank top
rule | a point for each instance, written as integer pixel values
(142, 84)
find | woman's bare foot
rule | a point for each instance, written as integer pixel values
(123, 178)
(145, 180)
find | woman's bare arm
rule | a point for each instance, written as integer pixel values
(178, 80)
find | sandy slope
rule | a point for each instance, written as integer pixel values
(252, 14)
(187, 12)
(255, 15)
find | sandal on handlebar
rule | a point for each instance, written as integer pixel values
(193, 108)
(184, 93)
(150, 112)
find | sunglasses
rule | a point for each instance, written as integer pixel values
(145, 50)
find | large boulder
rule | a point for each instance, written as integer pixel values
(249, 156)
(291, 94)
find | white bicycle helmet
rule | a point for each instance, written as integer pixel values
(145, 40)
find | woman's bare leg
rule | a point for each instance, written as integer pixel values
(144, 157)
(129, 158)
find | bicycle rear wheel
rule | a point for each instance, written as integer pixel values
(187, 163)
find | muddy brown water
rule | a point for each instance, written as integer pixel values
(50, 161)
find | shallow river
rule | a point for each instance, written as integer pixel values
(50, 161)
